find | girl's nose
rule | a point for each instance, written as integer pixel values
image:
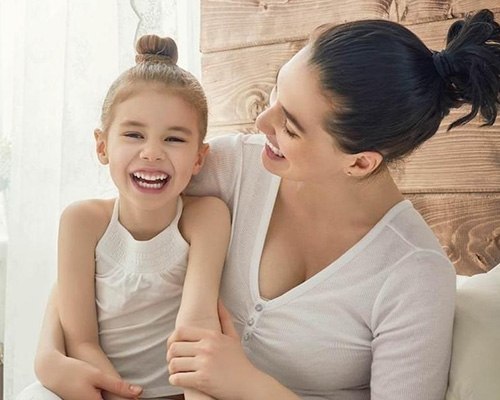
(152, 153)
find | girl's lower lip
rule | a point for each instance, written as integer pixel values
(143, 189)
(271, 155)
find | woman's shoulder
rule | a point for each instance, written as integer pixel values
(410, 227)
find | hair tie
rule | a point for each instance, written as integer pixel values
(154, 58)
(443, 65)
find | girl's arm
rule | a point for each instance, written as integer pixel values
(205, 224)
(70, 378)
(81, 226)
(216, 363)
(204, 358)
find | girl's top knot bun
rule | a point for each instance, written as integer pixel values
(152, 48)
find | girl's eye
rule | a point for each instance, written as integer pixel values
(174, 139)
(133, 135)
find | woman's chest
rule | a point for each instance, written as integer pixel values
(314, 341)
(297, 248)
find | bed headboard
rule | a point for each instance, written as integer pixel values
(453, 179)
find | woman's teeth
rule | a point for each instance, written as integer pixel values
(274, 149)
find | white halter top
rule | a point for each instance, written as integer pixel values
(138, 291)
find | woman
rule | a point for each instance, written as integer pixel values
(338, 288)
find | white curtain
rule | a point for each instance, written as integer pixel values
(58, 58)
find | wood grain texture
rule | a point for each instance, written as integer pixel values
(256, 22)
(466, 159)
(260, 22)
(462, 7)
(467, 226)
(238, 82)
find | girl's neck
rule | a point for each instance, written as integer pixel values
(346, 200)
(144, 224)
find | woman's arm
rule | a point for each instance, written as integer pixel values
(205, 224)
(70, 378)
(81, 226)
(216, 363)
(412, 326)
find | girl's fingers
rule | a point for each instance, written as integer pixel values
(118, 386)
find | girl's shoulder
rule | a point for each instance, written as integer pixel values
(202, 213)
(89, 217)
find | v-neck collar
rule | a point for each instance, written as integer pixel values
(322, 275)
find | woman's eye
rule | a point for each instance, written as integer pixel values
(289, 132)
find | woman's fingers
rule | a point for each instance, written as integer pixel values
(181, 349)
(187, 334)
(226, 321)
(184, 379)
(181, 364)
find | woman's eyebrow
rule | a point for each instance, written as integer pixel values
(293, 120)
(287, 114)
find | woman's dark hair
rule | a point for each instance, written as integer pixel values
(389, 92)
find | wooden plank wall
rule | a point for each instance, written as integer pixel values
(453, 179)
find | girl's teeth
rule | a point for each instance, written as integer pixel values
(150, 177)
(149, 185)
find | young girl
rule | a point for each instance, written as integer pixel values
(123, 262)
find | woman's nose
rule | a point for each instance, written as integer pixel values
(268, 120)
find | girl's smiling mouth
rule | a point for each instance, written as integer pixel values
(150, 180)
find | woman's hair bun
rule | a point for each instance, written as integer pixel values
(473, 50)
(152, 48)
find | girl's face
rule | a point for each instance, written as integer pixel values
(298, 147)
(152, 146)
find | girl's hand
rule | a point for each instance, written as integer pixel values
(78, 380)
(211, 362)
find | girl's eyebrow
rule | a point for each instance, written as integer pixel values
(138, 124)
(133, 123)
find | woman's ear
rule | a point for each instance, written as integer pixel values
(364, 164)
(200, 160)
(100, 146)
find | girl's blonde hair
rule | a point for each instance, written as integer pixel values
(156, 62)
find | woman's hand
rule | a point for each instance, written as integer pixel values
(78, 380)
(211, 362)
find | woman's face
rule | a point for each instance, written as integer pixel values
(298, 147)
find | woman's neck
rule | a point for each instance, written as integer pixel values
(347, 200)
(143, 223)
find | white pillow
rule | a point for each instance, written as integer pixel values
(475, 361)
